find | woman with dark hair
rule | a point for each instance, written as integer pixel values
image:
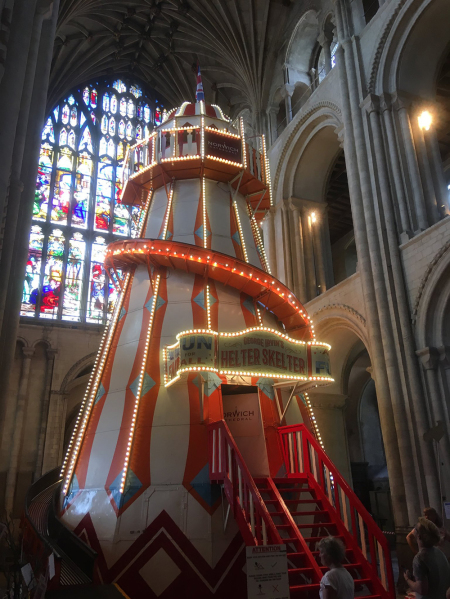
(337, 583)
(431, 569)
(444, 542)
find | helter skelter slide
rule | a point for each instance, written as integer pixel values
(202, 330)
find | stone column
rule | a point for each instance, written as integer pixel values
(429, 356)
(270, 240)
(392, 409)
(310, 271)
(299, 268)
(287, 92)
(285, 242)
(11, 90)
(54, 438)
(405, 221)
(329, 410)
(398, 289)
(16, 185)
(413, 167)
(437, 172)
(319, 255)
(18, 429)
(272, 113)
(28, 174)
(425, 171)
(326, 47)
(44, 412)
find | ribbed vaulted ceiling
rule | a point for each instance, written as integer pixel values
(159, 42)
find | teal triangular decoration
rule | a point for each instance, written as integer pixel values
(199, 232)
(248, 303)
(302, 397)
(212, 300)
(207, 491)
(200, 300)
(159, 302)
(266, 386)
(122, 313)
(100, 393)
(212, 381)
(147, 384)
(236, 237)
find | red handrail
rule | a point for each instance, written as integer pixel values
(226, 465)
(303, 455)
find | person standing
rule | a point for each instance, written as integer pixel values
(337, 583)
(431, 570)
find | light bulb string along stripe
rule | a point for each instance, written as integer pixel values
(168, 210)
(205, 236)
(97, 370)
(103, 355)
(257, 238)
(241, 234)
(208, 307)
(140, 384)
(267, 168)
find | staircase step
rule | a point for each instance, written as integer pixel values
(299, 501)
(316, 525)
(312, 539)
(357, 565)
(304, 587)
(300, 570)
(299, 513)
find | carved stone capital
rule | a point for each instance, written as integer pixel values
(28, 352)
(287, 90)
(429, 356)
(371, 103)
(444, 356)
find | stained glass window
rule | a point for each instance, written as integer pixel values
(77, 208)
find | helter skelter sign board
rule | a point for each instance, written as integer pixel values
(253, 352)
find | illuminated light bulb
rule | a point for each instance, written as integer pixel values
(425, 119)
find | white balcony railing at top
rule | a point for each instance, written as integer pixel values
(188, 142)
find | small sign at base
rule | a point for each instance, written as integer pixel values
(267, 572)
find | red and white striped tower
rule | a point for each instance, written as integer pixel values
(198, 313)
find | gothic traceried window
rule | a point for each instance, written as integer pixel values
(77, 210)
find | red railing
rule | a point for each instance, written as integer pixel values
(227, 466)
(303, 455)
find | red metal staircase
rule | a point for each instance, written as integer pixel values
(311, 502)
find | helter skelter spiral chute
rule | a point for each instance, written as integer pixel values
(201, 329)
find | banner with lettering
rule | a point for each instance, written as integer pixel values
(254, 352)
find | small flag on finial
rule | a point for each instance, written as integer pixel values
(199, 94)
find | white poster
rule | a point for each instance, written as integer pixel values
(447, 509)
(267, 572)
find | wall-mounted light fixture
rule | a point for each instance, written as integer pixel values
(313, 217)
(425, 119)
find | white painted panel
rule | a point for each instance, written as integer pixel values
(111, 419)
(139, 289)
(123, 364)
(102, 453)
(185, 204)
(169, 447)
(97, 503)
(156, 213)
(253, 256)
(178, 315)
(230, 312)
(218, 206)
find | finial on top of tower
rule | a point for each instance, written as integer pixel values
(199, 94)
